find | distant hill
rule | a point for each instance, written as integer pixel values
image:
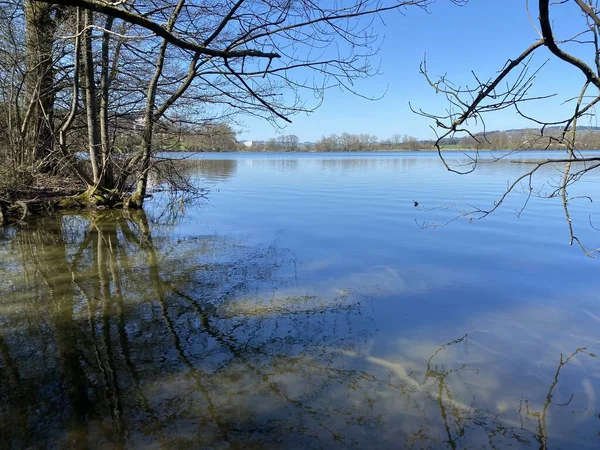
(527, 138)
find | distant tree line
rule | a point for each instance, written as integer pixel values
(347, 142)
(284, 143)
(221, 137)
(211, 137)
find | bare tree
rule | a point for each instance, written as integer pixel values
(468, 105)
(40, 20)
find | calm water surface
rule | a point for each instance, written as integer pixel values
(304, 305)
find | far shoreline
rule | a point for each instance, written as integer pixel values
(349, 152)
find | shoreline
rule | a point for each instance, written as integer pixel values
(24, 206)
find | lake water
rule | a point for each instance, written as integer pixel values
(308, 303)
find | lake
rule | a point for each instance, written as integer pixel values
(308, 302)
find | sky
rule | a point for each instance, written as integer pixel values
(480, 36)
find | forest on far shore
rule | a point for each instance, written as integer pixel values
(223, 138)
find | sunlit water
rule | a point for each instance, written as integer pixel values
(307, 303)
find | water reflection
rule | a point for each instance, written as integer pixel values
(112, 337)
(347, 165)
(205, 169)
(280, 165)
(114, 334)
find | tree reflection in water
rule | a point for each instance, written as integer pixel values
(111, 337)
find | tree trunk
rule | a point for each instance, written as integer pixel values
(39, 81)
(90, 99)
(107, 169)
(137, 199)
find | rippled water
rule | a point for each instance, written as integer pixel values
(307, 304)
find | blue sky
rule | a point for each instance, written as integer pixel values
(480, 36)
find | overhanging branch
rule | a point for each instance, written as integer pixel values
(139, 20)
